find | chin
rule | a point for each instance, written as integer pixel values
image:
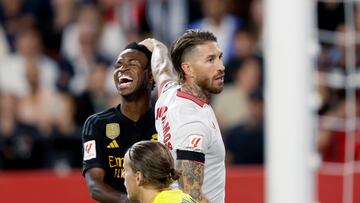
(216, 90)
(126, 92)
(131, 197)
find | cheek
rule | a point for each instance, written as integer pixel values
(115, 76)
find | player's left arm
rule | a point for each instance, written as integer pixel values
(190, 142)
(191, 164)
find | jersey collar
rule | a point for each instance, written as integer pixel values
(185, 95)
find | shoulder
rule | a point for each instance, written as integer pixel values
(98, 118)
(176, 196)
(167, 86)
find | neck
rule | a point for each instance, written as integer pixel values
(196, 91)
(134, 110)
(148, 195)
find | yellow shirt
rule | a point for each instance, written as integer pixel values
(173, 196)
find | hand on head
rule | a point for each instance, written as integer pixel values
(148, 43)
(151, 43)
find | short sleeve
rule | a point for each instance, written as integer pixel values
(92, 155)
(166, 85)
(192, 136)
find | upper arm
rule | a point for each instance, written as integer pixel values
(91, 151)
(192, 136)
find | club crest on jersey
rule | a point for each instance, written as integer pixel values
(112, 130)
(195, 142)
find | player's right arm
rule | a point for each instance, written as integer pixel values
(101, 191)
(92, 166)
(161, 65)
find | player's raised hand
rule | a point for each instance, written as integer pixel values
(161, 65)
(148, 43)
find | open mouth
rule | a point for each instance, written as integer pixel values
(220, 78)
(125, 81)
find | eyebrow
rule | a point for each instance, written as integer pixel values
(130, 61)
(214, 55)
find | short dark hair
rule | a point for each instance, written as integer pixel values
(155, 162)
(186, 43)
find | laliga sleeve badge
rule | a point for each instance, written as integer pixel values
(89, 150)
(112, 130)
(195, 142)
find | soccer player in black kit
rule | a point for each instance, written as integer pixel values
(108, 134)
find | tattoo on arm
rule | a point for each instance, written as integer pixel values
(192, 178)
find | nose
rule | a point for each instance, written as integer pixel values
(221, 66)
(123, 68)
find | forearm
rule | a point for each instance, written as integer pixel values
(162, 68)
(103, 193)
(192, 179)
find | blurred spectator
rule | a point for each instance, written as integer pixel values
(95, 97)
(4, 48)
(113, 35)
(244, 47)
(66, 138)
(333, 58)
(332, 135)
(41, 105)
(88, 20)
(255, 24)
(15, 15)
(107, 32)
(53, 17)
(133, 20)
(167, 18)
(330, 14)
(21, 146)
(86, 35)
(232, 105)
(219, 21)
(13, 69)
(245, 142)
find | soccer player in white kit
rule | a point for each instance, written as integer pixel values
(184, 120)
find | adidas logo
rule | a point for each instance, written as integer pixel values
(113, 144)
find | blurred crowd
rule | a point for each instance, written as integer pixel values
(56, 69)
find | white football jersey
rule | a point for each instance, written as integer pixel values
(185, 122)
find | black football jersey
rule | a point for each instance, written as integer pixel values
(106, 137)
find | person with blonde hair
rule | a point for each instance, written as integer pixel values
(149, 171)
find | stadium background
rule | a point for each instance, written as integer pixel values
(55, 70)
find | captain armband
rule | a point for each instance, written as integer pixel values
(190, 155)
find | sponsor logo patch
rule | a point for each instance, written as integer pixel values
(112, 130)
(195, 141)
(89, 150)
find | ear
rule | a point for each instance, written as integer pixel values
(151, 77)
(186, 67)
(139, 178)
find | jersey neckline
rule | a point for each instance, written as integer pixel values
(141, 121)
(185, 95)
